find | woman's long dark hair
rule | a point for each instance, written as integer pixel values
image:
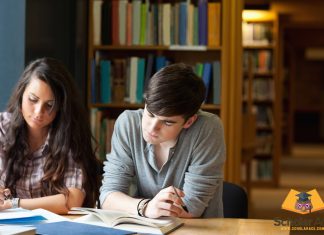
(70, 133)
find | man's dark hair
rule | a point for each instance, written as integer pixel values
(175, 90)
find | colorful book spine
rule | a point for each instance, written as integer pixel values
(183, 17)
(207, 77)
(140, 80)
(105, 81)
(143, 24)
(216, 82)
(214, 23)
(202, 18)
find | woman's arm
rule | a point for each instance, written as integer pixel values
(55, 203)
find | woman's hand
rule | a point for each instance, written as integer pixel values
(5, 195)
(165, 203)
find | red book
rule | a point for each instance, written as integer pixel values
(115, 22)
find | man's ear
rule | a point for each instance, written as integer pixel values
(190, 121)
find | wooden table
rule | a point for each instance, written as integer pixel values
(226, 226)
(230, 226)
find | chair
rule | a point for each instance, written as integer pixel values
(235, 201)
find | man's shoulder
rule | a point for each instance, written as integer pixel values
(207, 117)
(127, 117)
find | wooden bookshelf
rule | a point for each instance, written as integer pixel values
(262, 94)
(227, 51)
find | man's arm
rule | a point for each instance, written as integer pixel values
(165, 203)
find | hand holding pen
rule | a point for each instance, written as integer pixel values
(182, 205)
(167, 202)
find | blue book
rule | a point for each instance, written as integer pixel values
(105, 81)
(207, 77)
(202, 22)
(216, 82)
(72, 228)
(183, 18)
(160, 62)
(140, 80)
(28, 220)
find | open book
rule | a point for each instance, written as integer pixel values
(125, 221)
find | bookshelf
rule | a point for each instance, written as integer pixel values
(261, 94)
(164, 38)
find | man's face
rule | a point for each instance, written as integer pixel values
(159, 129)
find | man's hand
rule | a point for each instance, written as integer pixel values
(166, 203)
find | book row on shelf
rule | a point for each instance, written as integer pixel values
(261, 60)
(123, 80)
(264, 117)
(137, 22)
(262, 89)
(257, 33)
(261, 170)
(264, 139)
(102, 127)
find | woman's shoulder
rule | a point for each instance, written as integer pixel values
(4, 119)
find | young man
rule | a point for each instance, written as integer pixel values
(172, 150)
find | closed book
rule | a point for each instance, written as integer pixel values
(160, 62)
(207, 78)
(149, 69)
(149, 25)
(190, 24)
(133, 79)
(160, 24)
(115, 22)
(69, 227)
(143, 28)
(166, 25)
(155, 12)
(214, 23)
(119, 74)
(122, 10)
(140, 80)
(183, 17)
(129, 24)
(97, 22)
(93, 82)
(202, 21)
(105, 23)
(199, 69)
(130, 222)
(175, 23)
(216, 82)
(136, 14)
(195, 27)
(105, 81)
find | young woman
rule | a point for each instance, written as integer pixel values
(46, 156)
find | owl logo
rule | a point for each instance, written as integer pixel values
(303, 202)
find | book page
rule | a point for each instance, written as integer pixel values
(121, 220)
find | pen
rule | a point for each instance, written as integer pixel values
(183, 206)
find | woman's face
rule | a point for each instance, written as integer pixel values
(37, 105)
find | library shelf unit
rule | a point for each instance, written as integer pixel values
(223, 49)
(262, 94)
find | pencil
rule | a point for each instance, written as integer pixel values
(183, 206)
